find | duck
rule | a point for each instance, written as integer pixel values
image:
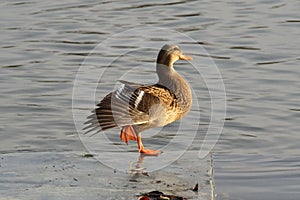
(137, 107)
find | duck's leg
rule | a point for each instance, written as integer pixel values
(128, 133)
(144, 151)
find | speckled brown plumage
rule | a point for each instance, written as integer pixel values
(135, 107)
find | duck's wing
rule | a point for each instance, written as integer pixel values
(131, 84)
(132, 104)
(117, 109)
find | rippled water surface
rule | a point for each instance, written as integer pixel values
(254, 44)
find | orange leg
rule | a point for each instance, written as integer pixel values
(127, 134)
(144, 151)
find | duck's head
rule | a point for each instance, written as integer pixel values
(170, 54)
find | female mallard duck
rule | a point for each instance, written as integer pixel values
(135, 107)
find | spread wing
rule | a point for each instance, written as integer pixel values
(129, 105)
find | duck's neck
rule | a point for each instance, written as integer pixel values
(165, 74)
(168, 77)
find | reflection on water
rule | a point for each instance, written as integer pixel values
(254, 44)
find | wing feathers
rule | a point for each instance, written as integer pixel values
(130, 104)
(116, 110)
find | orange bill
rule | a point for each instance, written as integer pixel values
(185, 57)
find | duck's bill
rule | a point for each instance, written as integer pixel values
(185, 57)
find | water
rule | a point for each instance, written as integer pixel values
(254, 44)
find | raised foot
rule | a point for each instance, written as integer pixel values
(150, 152)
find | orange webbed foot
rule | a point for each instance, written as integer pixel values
(127, 134)
(146, 152)
(150, 152)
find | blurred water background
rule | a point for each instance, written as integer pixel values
(255, 45)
